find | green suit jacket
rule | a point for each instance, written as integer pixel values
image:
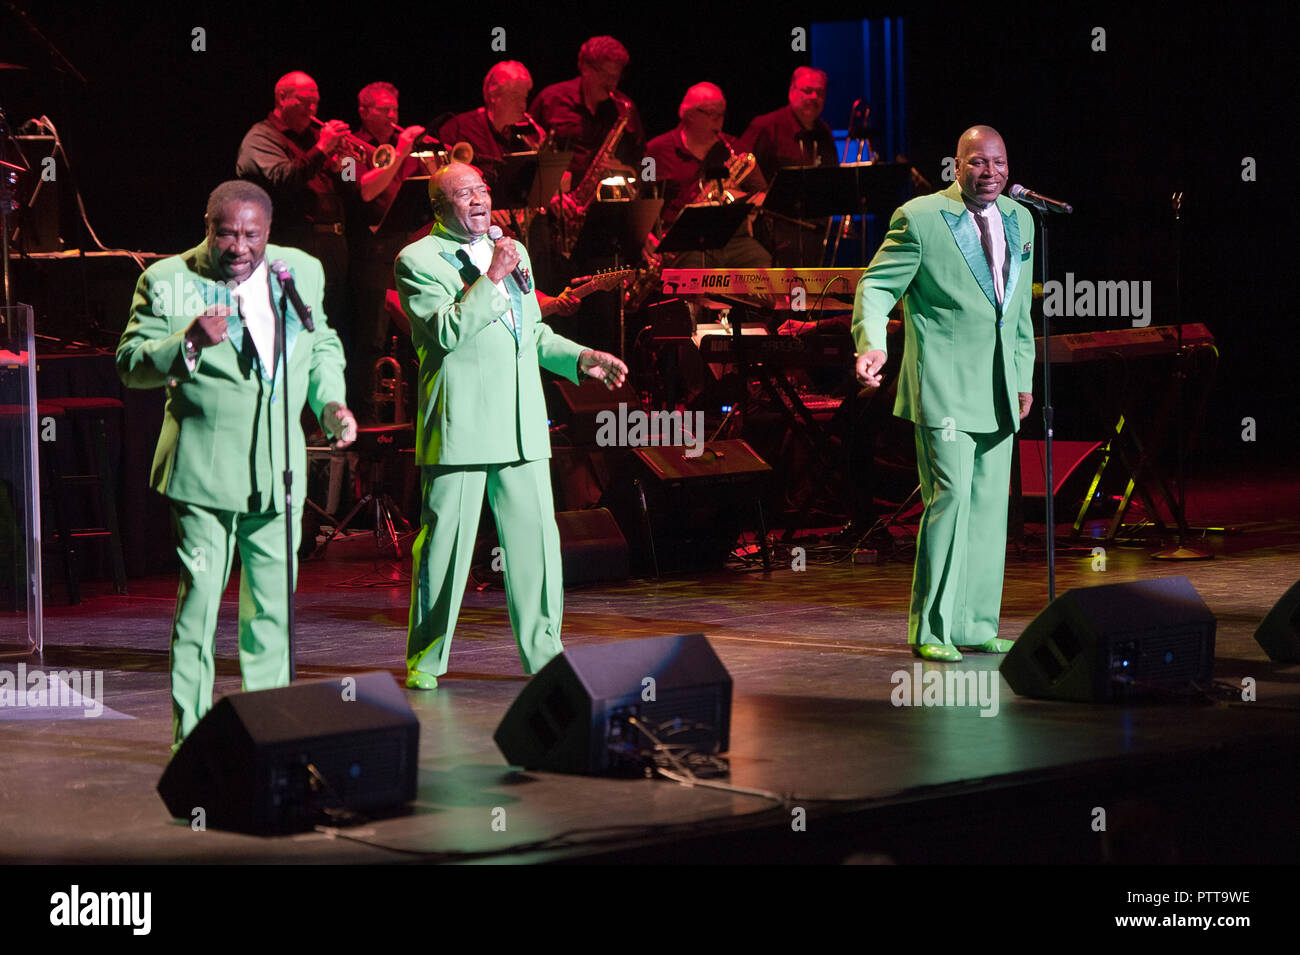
(932, 259)
(481, 396)
(222, 440)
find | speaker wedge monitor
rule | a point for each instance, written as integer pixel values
(684, 513)
(575, 715)
(1115, 642)
(267, 762)
(1279, 632)
(592, 547)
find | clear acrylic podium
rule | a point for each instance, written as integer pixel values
(21, 624)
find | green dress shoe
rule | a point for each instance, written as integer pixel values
(419, 680)
(994, 645)
(939, 652)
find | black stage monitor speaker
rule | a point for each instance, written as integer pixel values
(592, 547)
(1113, 642)
(275, 761)
(1279, 634)
(572, 717)
(682, 513)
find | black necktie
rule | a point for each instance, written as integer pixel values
(986, 240)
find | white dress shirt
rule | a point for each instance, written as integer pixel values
(479, 250)
(997, 235)
(253, 296)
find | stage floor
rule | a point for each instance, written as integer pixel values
(813, 655)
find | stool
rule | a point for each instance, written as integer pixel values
(95, 412)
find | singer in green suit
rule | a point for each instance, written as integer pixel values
(203, 325)
(481, 427)
(960, 260)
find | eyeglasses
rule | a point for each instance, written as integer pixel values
(713, 113)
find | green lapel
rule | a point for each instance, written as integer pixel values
(459, 260)
(1011, 226)
(217, 291)
(967, 237)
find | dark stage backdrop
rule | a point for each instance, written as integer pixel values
(1175, 102)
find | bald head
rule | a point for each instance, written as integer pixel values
(296, 99)
(982, 168)
(290, 82)
(976, 136)
(702, 112)
(461, 201)
(702, 96)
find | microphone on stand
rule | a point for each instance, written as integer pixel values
(1040, 201)
(495, 234)
(281, 270)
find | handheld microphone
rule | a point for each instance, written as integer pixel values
(495, 234)
(1039, 201)
(281, 270)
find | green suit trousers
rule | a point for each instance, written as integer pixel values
(519, 495)
(208, 541)
(961, 546)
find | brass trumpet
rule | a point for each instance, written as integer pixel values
(352, 145)
(385, 155)
(388, 386)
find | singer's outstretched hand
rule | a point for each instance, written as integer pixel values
(340, 424)
(603, 367)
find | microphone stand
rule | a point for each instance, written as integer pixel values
(281, 353)
(1182, 551)
(1044, 207)
(1040, 215)
(1048, 413)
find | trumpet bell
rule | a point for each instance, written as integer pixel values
(388, 386)
(383, 156)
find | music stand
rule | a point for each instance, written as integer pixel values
(552, 164)
(704, 228)
(516, 175)
(617, 228)
(817, 192)
(409, 209)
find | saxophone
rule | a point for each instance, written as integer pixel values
(739, 166)
(571, 222)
